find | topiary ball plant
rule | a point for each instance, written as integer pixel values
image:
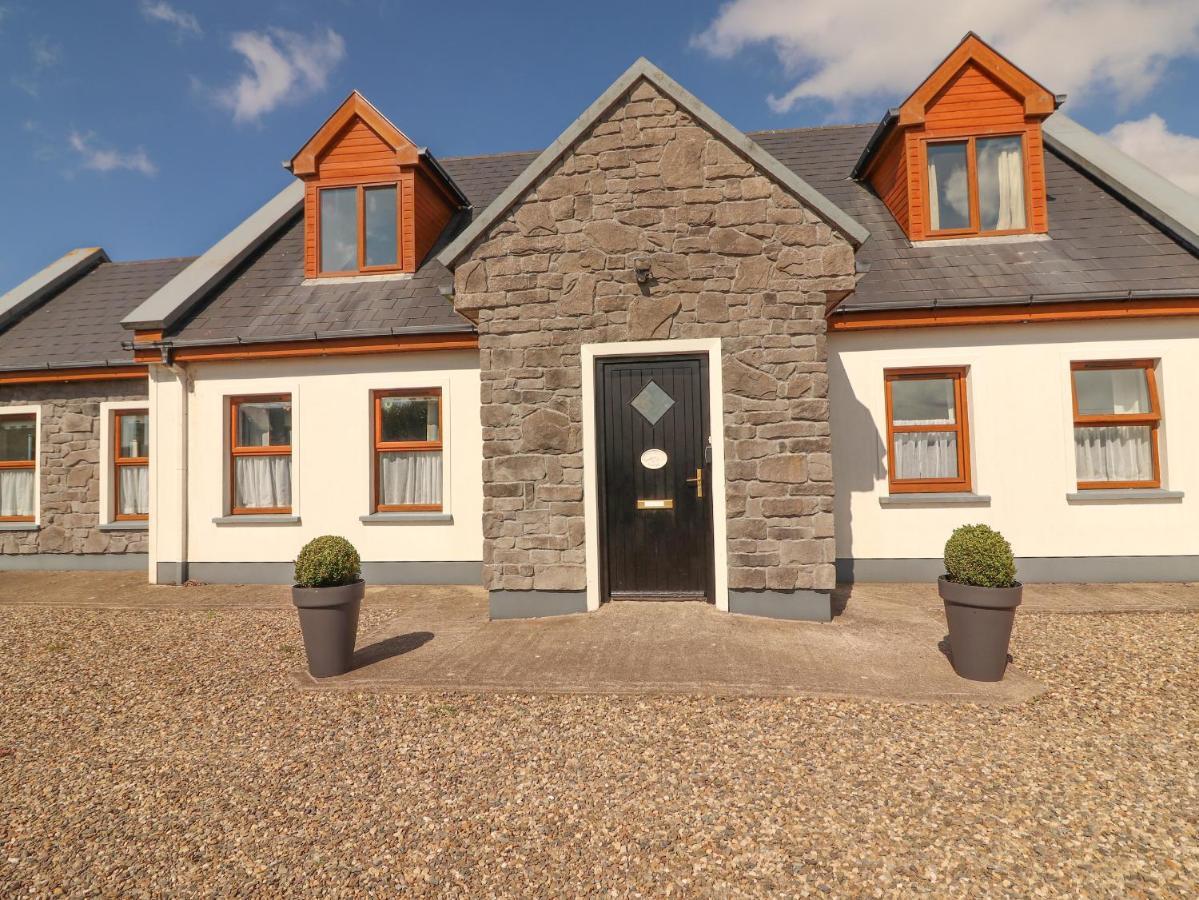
(980, 556)
(328, 561)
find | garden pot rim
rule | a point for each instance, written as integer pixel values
(332, 595)
(981, 597)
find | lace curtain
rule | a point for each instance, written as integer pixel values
(1011, 191)
(135, 490)
(1113, 453)
(410, 478)
(926, 454)
(263, 482)
(16, 492)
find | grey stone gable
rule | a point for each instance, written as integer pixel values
(645, 71)
(733, 255)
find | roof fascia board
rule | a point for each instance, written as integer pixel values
(175, 298)
(643, 68)
(33, 290)
(1159, 199)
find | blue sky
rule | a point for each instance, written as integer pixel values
(151, 127)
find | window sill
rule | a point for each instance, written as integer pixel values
(256, 520)
(1125, 495)
(947, 499)
(20, 526)
(402, 518)
(124, 526)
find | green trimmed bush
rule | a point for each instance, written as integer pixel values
(328, 561)
(980, 556)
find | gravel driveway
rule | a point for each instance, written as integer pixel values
(166, 751)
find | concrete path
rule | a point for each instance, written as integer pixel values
(881, 648)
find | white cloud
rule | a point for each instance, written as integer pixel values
(284, 67)
(160, 11)
(109, 160)
(45, 54)
(845, 52)
(1176, 156)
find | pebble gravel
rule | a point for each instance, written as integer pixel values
(168, 752)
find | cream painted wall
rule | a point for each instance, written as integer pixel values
(331, 458)
(1021, 437)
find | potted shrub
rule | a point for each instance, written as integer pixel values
(981, 594)
(328, 595)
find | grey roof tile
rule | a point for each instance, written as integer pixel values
(81, 324)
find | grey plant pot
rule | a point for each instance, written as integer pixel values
(329, 621)
(980, 627)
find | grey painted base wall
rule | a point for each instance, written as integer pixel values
(808, 606)
(281, 572)
(534, 604)
(72, 562)
(1035, 569)
(812, 606)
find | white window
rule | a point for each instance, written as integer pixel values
(18, 466)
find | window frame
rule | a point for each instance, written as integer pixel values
(970, 140)
(235, 450)
(360, 219)
(1153, 419)
(961, 484)
(380, 446)
(119, 461)
(25, 464)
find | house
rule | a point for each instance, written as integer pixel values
(660, 359)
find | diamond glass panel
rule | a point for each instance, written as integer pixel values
(652, 402)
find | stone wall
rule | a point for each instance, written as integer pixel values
(733, 255)
(70, 468)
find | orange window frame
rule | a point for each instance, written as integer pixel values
(381, 446)
(22, 463)
(119, 462)
(236, 450)
(970, 140)
(960, 427)
(360, 219)
(1153, 419)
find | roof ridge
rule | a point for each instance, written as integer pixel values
(155, 259)
(490, 155)
(810, 128)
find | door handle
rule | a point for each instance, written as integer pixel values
(698, 481)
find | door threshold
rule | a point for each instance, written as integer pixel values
(669, 597)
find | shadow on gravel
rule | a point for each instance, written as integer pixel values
(392, 646)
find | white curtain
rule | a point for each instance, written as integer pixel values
(410, 479)
(1011, 190)
(16, 492)
(263, 482)
(1113, 453)
(925, 454)
(135, 490)
(934, 199)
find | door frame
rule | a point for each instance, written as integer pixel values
(593, 523)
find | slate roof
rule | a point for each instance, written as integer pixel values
(268, 300)
(1099, 248)
(81, 324)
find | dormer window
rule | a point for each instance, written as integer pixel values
(374, 202)
(963, 156)
(359, 229)
(976, 186)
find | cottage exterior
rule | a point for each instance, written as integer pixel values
(661, 359)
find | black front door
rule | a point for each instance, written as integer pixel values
(655, 491)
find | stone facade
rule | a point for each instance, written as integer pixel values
(70, 468)
(732, 255)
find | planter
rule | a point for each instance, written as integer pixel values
(980, 626)
(329, 621)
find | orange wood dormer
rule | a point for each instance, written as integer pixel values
(374, 202)
(963, 155)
